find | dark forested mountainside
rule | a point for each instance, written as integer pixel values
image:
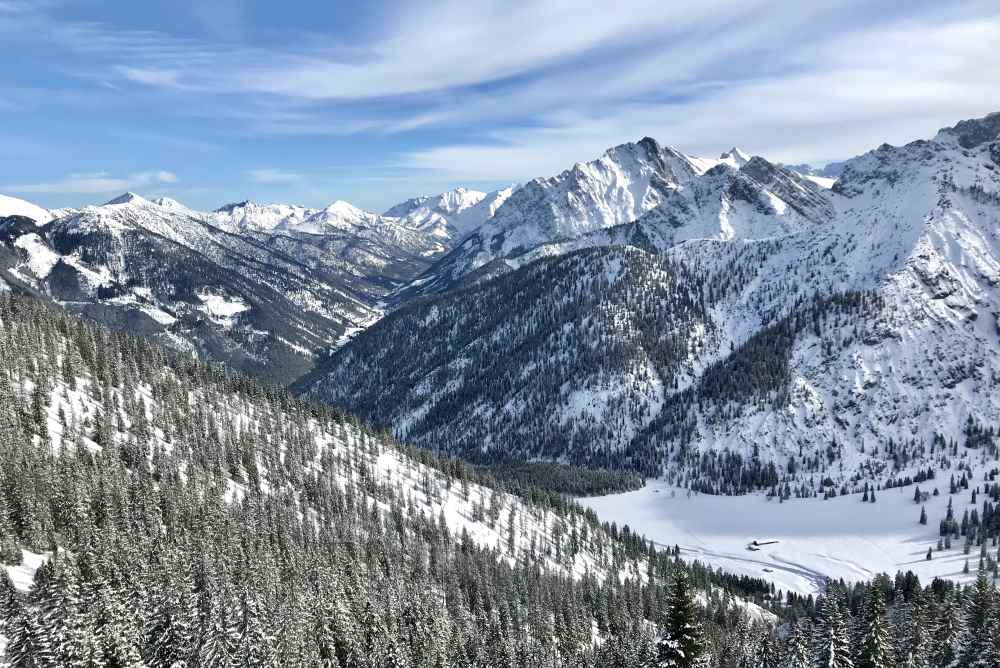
(589, 358)
(190, 517)
(513, 367)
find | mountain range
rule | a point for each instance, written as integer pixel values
(263, 288)
(647, 310)
(705, 320)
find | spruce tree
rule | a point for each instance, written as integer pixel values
(876, 642)
(976, 641)
(796, 652)
(831, 640)
(681, 645)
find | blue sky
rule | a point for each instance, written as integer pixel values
(375, 102)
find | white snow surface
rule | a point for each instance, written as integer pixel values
(817, 540)
(23, 574)
(222, 309)
(12, 206)
(41, 258)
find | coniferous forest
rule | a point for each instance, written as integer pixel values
(179, 515)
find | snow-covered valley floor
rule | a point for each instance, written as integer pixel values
(839, 538)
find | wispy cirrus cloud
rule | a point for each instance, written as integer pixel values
(503, 91)
(833, 100)
(96, 183)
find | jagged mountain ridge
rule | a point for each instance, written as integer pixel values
(852, 316)
(262, 288)
(452, 215)
(582, 206)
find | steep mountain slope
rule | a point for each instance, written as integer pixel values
(585, 335)
(155, 271)
(160, 512)
(846, 329)
(916, 228)
(12, 206)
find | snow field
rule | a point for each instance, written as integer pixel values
(838, 538)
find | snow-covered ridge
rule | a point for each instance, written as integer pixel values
(12, 206)
(676, 196)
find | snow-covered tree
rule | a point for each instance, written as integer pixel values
(831, 639)
(682, 644)
(876, 642)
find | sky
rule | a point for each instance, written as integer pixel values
(376, 102)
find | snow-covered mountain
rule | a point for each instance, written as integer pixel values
(686, 196)
(618, 187)
(12, 206)
(844, 328)
(243, 297)
(249, 215)
(261, 287)
(452, 215)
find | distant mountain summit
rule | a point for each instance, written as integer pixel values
(451, 215)
(671, 195)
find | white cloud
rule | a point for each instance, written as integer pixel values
(840, 98)
(96, 183)
(556, 81)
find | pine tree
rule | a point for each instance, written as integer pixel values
(975, 643)
(27, 646)
(681, 645)
(796, 653)
(912, 634)
(947, 632)
(831, 641)
(876, 643)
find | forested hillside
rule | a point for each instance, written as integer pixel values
(183, 516)
(155, 511)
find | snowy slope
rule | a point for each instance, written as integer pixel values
(12, 206)
(372, 468)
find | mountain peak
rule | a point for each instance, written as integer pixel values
(169, 203)
(343, 208)
(228, 208)
(649, 143)
(734, 157)
(973, 132)
(127, 198)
